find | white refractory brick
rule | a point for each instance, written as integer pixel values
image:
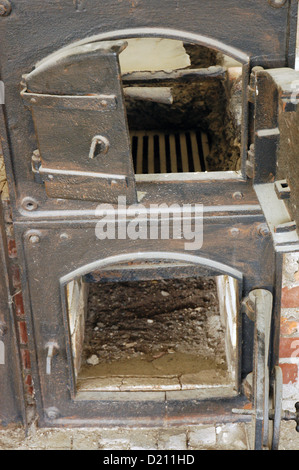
(85, 440)
(114, 444)
(151, 54)
(128, 439)
(172, 441)
(11, 439)
(232, 436)
(143, 439)
(204, 436)
(58, 439)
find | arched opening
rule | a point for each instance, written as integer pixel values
(184, 107)
(147, 105)
(162, 323)
(142, 32)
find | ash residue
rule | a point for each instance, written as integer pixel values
(133, 319)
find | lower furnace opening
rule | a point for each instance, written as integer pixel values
(170, 335)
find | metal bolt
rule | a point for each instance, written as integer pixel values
(234, 231)
(34, 239)
(263, 230)
(238, 195)
(113, 184)
(53, 413)
(64, 236)
(277, 3)
(5, 8)
(29, 204)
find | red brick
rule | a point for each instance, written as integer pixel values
(12, 249)
(288, 327)
(290, 297)
(23, 332)
(19, 306)
(289, 347)
(248, 406)
(29, 384)
(16, 277)
(25, 358)
(289, 373)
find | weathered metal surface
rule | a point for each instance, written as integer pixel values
(266, 131)
(280, 223)
(76, 98)
(253, 32)
(262, 304)
(288, 119)
(43, 250)
(267, 419)
(264, 387)
(277, 407)
(275, 97)
(11, 390)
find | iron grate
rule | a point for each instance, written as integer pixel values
(162, 152)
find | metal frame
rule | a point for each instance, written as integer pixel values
(47, 244)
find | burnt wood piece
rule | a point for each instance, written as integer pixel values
(153, 94)
(176, 75)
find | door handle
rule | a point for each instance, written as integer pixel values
(52, 348)
(99, 145)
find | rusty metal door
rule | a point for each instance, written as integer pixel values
(81, 127)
